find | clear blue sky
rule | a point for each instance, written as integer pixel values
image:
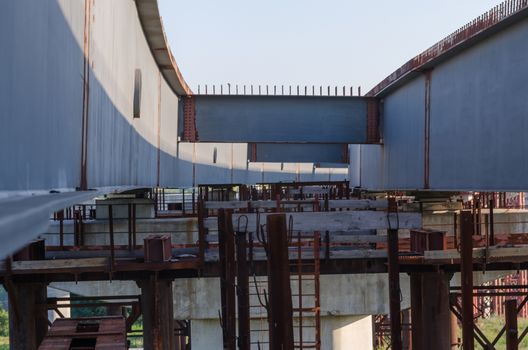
(306, 42)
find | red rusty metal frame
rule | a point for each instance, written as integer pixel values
(373, 120)
(253, 153)
(382, 332)
(107, 332)
(460, 36)
(190, 133)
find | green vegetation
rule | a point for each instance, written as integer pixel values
(4, 343)
(135, 337)
(4, 329)
(491, 327)
(4, 323)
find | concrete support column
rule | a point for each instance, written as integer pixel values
(158, 316)
(431, 316)
(28, 316)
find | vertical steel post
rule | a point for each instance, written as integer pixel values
(244, 340)
(111, 229)
(416, 311)
(466, 270)
(201, 231)
(61, 228)
(226, 240)
(280, 296)
(130, 226)
(512, 333)
(491, 223)
(134, 236)
(394, 283)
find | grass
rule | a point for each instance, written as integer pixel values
(4, 343)
(491, 327)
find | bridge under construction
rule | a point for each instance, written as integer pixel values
(257, 217)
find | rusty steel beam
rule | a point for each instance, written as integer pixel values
(280, 296)
(466, 270)
(226, 248)
(512, 332)
(244, 339)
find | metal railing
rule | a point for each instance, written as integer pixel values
(478, 25)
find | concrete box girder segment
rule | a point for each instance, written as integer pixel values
(298, 153)
(280, 119)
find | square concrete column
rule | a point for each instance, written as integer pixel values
(28, 316)
(158, 316)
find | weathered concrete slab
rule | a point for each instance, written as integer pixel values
(333, 221)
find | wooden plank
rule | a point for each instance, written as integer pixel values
(306, 203)
(44, 266)
(335, 221)
(478, 253)
(226, 204)
(356, 204)
(358, 254)
(358, 239)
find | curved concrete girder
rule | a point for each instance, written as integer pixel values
(152, 24)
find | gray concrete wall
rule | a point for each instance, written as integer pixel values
(337, 333)
(41, 107)
(341, 295)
